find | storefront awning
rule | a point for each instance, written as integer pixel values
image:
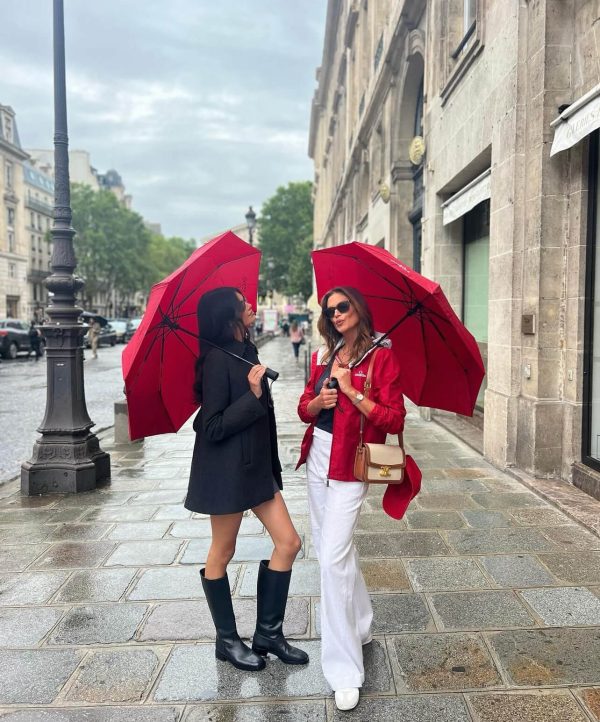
(578, 120)
(479, 189)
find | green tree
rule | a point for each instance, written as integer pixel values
(115, 251)
(285, 225)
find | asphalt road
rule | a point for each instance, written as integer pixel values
(23, 401)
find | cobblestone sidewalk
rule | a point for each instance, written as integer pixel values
(486, 597)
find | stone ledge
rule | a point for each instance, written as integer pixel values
(586, 479)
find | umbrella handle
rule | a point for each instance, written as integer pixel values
(332, 383)
(270, 374)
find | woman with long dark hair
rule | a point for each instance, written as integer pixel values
(335, 496)
(236, 467)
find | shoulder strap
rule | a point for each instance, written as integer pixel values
(366, 393)
(368, 385)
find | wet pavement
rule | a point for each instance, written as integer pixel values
(486, 595)
(22, 410)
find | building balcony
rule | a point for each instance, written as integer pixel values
(39, 206)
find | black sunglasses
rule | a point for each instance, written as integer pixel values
(342, 307)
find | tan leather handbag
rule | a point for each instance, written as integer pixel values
(378, 463)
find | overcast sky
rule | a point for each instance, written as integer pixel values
(203, 106)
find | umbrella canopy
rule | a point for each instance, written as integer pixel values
(90, 317)
(158, 362)
(440, 360)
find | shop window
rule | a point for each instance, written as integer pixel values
(476, 249)
(591, 383)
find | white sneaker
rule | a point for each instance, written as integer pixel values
(346, 699)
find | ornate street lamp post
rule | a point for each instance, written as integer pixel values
(67, 458)
(251, 223)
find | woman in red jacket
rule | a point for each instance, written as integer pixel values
(335, 496)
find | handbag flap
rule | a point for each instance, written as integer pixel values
(381, 455)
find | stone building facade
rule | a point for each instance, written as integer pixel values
(462, 135)
(13, 243)
(38, 204)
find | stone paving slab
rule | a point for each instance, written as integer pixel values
(445, 573)
(517, 570)
(384, 575)
(402, 544)
(36, 676)
(411, 708)
(99, 624)
(306, 579)
(439, 662)
(74, 555)
(26, 627)
(551, 706)
(486, 541)
(246, 549)
(591, 701)
(144, 553)
(487, 519)
(548, 657)
(156, 713)
(479, 610)
(139, 530)
(262, 712)
(97, 585)
(434, 520)
(30, 587)
(580, 568)
(564, 607)
(173, 583)
(116, 675)
(191, 621)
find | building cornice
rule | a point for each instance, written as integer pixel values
(17, 153)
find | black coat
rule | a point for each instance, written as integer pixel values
(235, 464)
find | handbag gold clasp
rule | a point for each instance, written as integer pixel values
(384, 471)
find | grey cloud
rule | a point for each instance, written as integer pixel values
(202, 106)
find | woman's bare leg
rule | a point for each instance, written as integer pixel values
(225, 528)
(276, 519)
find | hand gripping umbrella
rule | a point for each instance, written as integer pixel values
(159, 361)
(440, 360)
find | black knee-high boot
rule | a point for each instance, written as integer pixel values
(228, 647)
(272, 594)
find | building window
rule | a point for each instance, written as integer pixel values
(8, 174)
(10, 217)
(476, 273)
(40, 244)
(8, 128)
(11, 242)
(32, 242)
(32, 218)
(12, 270)
(39, 222)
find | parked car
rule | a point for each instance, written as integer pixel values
(120, 328)
(107, 337)
(14, 338)
(132, 326)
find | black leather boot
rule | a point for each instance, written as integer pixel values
(272, 594)
(228, 647)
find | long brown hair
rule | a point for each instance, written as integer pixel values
(331, 335)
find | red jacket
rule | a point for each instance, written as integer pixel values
(387, 417)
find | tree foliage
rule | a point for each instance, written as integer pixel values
(285, 225)
(115, 251)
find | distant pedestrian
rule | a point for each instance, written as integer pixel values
(94, 334)
(297, 338)
(35, 341)
(285, 327)
(236, 467)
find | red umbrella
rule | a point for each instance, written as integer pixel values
(158, 362)
(440, 359)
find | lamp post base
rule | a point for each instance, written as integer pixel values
(62, 465)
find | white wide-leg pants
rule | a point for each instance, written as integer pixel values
(346, 612)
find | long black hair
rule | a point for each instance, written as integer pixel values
(219, 318)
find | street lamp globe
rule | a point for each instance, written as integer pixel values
(251, 223)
